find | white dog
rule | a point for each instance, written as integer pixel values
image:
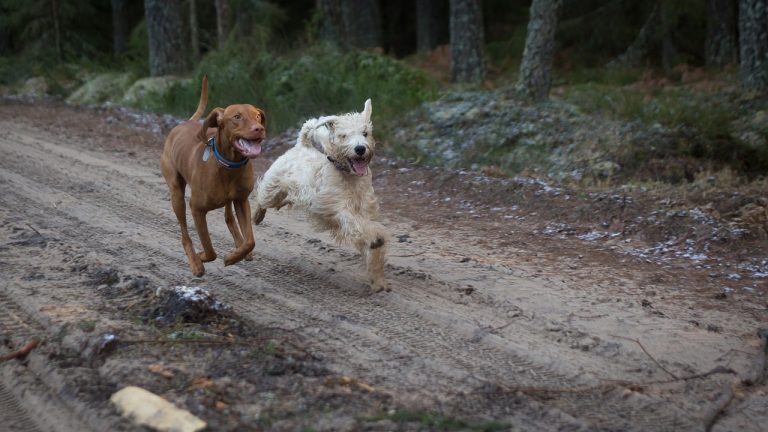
(326, 173)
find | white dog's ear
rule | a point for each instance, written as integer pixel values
(367, 110)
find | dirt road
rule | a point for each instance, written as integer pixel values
(529, 333)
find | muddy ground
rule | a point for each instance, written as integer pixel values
(515, 304)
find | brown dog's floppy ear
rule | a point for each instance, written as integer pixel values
(213, 120)
(263, 117)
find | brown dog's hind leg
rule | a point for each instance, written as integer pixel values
(177, 185)
(243, 211)
(229, 218)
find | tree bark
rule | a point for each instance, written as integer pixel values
(538, 55)
(166, 52)
(56, 28)
(753, 44)
(721, 47)
(223, 24)
(194, 34)
(643, 43)
(431, 24)
(467, 41)
(362, 23)
(331, 22)
(119, 26)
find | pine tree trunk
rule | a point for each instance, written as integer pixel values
(194, 34)
(56, 28)
(331, 23)
(753, 43)
(721, 48)
(643, 43)
(223, 25)
(431, 24)
(166, 51)
(536, 66)
(119, 26)
(362, 23)
(467, 41)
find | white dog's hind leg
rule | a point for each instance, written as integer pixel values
(370, 239)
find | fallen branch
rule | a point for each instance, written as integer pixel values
(21, 353)
(409, 255)
(720, 404)
(649, 355)
(613, 383)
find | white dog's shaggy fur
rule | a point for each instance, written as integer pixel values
(326, 173)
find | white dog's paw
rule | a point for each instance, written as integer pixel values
(379, 286)
(379, 242)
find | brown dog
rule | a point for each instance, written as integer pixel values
(213, 160)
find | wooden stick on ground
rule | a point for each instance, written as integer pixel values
(649, 355)
(21, 353)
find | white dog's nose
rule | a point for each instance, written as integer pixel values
(360, 150)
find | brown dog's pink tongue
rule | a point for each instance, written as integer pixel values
(249, 148)
(360, 167)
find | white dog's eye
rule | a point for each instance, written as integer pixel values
(342, 136)
(365, 133)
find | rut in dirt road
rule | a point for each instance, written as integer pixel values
(418, 340)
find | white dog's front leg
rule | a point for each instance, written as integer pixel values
(371, 240)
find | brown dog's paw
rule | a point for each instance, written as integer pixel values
(249, 257)
(379, 242)
(205, 258)
(198, 270)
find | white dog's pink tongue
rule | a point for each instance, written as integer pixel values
(360, 167)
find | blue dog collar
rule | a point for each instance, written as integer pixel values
(226, 163)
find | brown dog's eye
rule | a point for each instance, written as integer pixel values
(238, 116)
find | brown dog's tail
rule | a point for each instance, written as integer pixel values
(203, 100)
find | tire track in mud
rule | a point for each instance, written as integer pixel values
(411, 333)
(13, 326)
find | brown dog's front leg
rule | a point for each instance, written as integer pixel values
(208, 254)
(229, 218)
(243, 211)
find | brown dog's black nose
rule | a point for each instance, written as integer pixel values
(360, 150)
(257, 128)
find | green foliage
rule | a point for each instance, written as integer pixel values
(439, 422)
(292, 87)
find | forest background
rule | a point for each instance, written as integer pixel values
(691, 73)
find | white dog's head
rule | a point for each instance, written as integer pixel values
(347, 140)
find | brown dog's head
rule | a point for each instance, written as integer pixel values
(241, 126)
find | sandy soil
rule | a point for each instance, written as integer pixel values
(496, 320)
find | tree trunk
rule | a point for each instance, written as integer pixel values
(331, 24)
(753, 43)
(431, 24)
(166, 51)
(194, 35)
(362, 23)
(538, 55)
(223, 25)
(56, 28)
(467, 40)
(643, 43)
(119, 26)
(721, 48)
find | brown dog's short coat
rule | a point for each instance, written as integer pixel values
(217, 172)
